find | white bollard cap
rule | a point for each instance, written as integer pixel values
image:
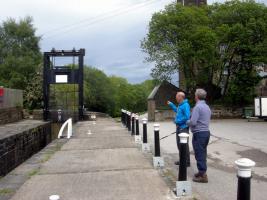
(183, 137)
(54, 197)
(156, 127)
(244, 167)
(144, 120)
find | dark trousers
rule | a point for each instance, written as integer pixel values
(200, 142)
(178, 131)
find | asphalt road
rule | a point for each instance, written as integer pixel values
(231, 139)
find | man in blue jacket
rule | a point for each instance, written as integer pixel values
(182, 116)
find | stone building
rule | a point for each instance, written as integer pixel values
(158, 109)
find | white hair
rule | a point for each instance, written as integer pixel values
(201, 94)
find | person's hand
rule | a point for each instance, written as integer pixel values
(168, 102)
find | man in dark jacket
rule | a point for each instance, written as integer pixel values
(182, 116)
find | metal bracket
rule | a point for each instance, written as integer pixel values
(145, 147)
(138, 139)
(158, 162)
(183, 188)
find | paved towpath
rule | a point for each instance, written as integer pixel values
(100, 162)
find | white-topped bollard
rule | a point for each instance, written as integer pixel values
(183, 187)
(54, 197)
(129, 120)
(145, 145)
(93, 117)
(133, 123)
(157, 159)
(137, 136)
(244, 166)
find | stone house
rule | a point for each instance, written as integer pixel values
(158, 110)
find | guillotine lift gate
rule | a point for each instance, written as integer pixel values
(63, 86)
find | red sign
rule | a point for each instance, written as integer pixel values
(1, 92)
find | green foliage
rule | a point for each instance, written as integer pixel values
(20, 57)
(206, 42)
(111, 94)
(19, 53)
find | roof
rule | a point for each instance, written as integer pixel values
(156, 89)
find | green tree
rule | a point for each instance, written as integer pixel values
(213, 46)
(98, 91)
(19, 53)
(20, 57)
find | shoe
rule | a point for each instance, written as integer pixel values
(201, 178)
(178, 163)
(197, 175)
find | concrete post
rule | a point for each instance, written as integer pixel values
(183, 187)
(157, 160)
(244, 178)
(145, 145)
(133, 125)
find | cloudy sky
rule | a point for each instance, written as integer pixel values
(109, 30)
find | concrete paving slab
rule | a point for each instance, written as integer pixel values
(99, 143)
(111, 185)
(97, 133)
(95, 160)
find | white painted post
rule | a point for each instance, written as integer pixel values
(69, 131)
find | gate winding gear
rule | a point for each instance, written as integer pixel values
(52, 72)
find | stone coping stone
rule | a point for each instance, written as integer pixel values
(95, 160)
(104, 185)
(11, 129)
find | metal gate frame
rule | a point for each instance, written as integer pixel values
(75, 76)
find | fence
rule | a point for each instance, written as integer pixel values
(10, 98)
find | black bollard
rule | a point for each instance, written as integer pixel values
(125, 118)
(129, 121)
(156, 140)
(182, 176)
(244, 178)
(133, 126)
(144, 130)
(137, 125)
(122, 120)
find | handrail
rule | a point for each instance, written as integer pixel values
(69, 133)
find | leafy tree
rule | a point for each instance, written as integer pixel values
(19, 53)
(213, 46)
(20, 57)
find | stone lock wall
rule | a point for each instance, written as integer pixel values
(18, 147)
(221, 112)
(9, 115)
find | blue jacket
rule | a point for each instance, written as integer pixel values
(182, 113)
